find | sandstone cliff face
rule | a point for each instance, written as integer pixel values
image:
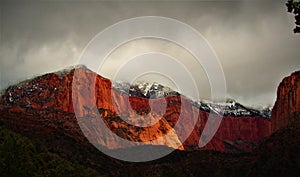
(44, 105)
(286, 110)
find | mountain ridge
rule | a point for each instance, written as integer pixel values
(53, 124)
(49, 98)
(135, 90)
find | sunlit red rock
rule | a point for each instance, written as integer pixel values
(44, 105)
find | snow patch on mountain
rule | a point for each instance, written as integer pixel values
(155, 90)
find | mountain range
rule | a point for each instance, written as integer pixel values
(49, 107)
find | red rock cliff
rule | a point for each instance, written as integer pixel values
(286, 110)
(44, 104)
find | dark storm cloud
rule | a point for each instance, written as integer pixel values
(254, 40)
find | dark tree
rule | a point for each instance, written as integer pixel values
(294, 7)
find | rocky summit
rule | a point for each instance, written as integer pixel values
(286, 111)
(46, 105)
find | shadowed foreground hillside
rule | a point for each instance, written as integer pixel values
(20, 156)
(277, 156)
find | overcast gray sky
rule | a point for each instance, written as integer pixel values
(253, 40)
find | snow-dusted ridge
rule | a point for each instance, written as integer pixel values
(232, 108)
(155, 90)
(64, 72)
(145, 89)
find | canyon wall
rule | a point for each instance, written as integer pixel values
(44, 105)
(286, 110)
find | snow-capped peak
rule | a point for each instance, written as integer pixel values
(228, 108)
(144, 89)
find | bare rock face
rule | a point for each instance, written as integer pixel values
(286, 110)
(44, 106)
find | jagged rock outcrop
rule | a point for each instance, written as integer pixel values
(286, 110)
(44, 106)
